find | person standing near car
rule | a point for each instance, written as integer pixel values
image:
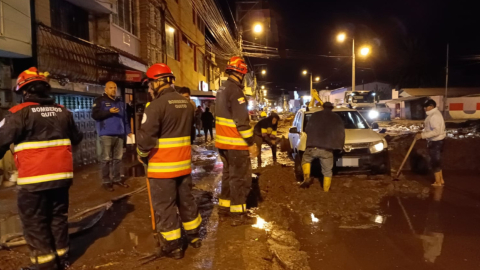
(43, 134)
(434, 133)
(325, 133)
(112, 126)
(207, 123)
(266, 132)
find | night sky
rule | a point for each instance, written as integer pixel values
(408, 40)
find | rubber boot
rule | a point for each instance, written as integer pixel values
(243, 219)
(327, 181)
(194, 240)
(171, 249)
(438, 179)
(441, 178)
(307, 180)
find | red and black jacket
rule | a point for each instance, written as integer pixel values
(43, 134)
(164, 135)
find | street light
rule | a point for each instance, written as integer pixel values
(364, 51)
(265, 93)
(305, 72)
(317, 79)
(257, 28)
(264, 72)
(263, 87)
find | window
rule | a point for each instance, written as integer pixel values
(201, 62)
(200, 25)
(126, 16)
(172, 44)
(69, 19)
(187, 41)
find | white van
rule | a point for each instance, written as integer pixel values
(365, 150)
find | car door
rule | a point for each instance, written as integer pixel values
(294, 137)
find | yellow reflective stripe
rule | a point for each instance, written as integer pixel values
(142, 154)
(264, 130)
(46, 74)
(43, 259)
(42, 144)
(148, 104)
(274, 132)
(44, 178)
(224, 203)
(247, 133)
(169, 166)
(173, 142)
(192, 225)
(61, 252)
(172, 235)
(238, 208)
(225, 122)
(194, 240)
(230, 140)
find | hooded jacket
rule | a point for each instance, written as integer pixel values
(434, 126)
(110, 124)
(325, 130)
(266, 127)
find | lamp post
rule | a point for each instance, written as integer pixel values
(364, 51)
(305, 73)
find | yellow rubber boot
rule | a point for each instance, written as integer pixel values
(327, 181)
(306, 171)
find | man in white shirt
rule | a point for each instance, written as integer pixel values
(434, 133)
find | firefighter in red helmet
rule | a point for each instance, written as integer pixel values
(163, 143)
(235, 143)
(43, 134)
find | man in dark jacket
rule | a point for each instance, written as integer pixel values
(112, 125)
(265, 131)
(43, 134)
(325, 133)
(207, 123)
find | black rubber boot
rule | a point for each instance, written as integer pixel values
(239, 220)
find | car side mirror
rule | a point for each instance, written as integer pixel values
(375, 126)
(293, 130)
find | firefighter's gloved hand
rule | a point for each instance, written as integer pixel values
(253, 151)
(143, 160)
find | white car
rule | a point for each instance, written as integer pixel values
(365, 150)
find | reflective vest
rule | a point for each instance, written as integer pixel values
(43, 161)
(228, 136)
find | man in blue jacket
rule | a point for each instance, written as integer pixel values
(112, 125)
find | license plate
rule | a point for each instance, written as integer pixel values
(347, 162)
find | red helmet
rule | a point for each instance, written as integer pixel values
(237, 64)
(30, 75)
(158, 71)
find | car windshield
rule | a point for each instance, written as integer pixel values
(351, 120)
(358, 97)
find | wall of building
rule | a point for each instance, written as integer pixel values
(183, 68)
(15, 29)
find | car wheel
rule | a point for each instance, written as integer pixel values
(298, 167)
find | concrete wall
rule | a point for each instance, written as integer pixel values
(15, 29)
(182, 13)
(42, 12)
(124, 40)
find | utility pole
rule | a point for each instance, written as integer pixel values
(445, 104)
(353, 64)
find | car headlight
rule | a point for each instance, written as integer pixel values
(373, 114)
(376, 147)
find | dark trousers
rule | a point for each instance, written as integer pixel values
(112, 153)
(169, 197)
(236, 180)
(435, 150)
(44, 215)
(259, 140)
(205, 129)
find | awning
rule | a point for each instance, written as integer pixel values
(103, 6)
(200, 94)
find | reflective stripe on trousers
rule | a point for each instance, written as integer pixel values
(41, 144)
(192, 225)
(44, 178)
(42, 259)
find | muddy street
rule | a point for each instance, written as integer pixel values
(364, 222)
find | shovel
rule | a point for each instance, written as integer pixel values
(405, 160)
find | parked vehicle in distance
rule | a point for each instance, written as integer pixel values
(384, 112)
(365, 150)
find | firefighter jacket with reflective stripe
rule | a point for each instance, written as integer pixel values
(265, 127)
(43, 134)
(164, 135)
(232, 123)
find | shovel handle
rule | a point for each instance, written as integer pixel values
(150, 198)
(406, 156)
